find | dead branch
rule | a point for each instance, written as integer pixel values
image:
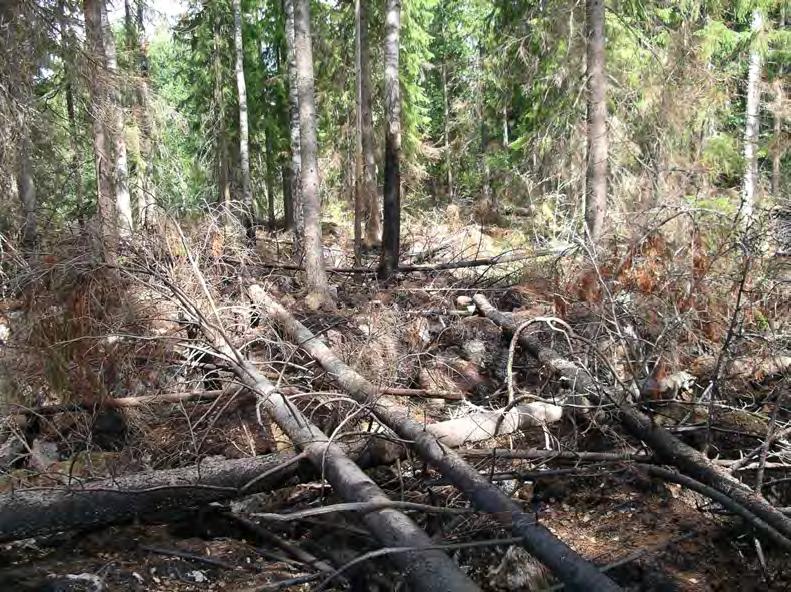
(567, 565)
(667, 447)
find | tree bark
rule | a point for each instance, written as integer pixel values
(567, 565)
(120, 164)
(358, 160)
(270, 181)
(752, 124)
(596, 175)
(486, 173)
(67, 52)
(223, 177)
(26, 187)
(105, 202)
(28, 513)
(311, 201)
(446, 132)
(294, 135)
(370, 198)
(391, 236)
(244, 133)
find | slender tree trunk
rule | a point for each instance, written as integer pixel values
(67, 40)
(486, 172)
(370, 201)
(446, 131)
(244, 134)
(223, 178)
(270, 181)
(505, 126)
(776, 156)
(105, 202)
(293, 113)
(120, 161)
(288, 212)
(27, 194)
(358, 152)
(391, 237)
(311, 202)
(752, 124)
(596, 176)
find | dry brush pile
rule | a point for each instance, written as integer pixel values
(608, 420)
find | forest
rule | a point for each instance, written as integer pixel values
(432, 295)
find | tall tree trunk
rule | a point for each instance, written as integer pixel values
(105, 202)
(311, 202)
(358, 152)
(484, 132)
(288, 212)
(270, 181)
(370, 200)
(26, 188)
(223, 177)
(293, 114)
(446, 131)
(244, 134)
(752, 124)
(391, 237)
(144, 186)
(67, 52)
(596, 175)
(123, 202)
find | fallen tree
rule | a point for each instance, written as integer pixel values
(30, 512)
(424, 567)
(667, 447)
(566, 564)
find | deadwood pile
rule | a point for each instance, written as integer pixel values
(478, 424)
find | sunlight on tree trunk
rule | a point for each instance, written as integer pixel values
(752, 124)
(244, 134)
(123, 202)
(27, 195)
(370, 198)
(311, 201)
(596, 177)
(294, 139)
(105, 204)
(391, 238)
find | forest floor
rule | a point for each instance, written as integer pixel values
(75, 334)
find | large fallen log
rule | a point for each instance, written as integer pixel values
(566, 564)
(425, 568)
(667, 447)
(154, 495)
(158, 494)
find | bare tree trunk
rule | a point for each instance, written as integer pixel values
(391, 237)
(358, 152)
(67, 52)
(123, 202)
(486, 174)
(105, 202)
(446, 131)
(752, 124)
(596, 176)
(270, 181)
(27, 194)
(311, 201)
(244, 133)
(293, 115)
(371, 208)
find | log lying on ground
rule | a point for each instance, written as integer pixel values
(424, 568)
(566, 564)
(38, 511)
(667, 447)
(26, 513)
